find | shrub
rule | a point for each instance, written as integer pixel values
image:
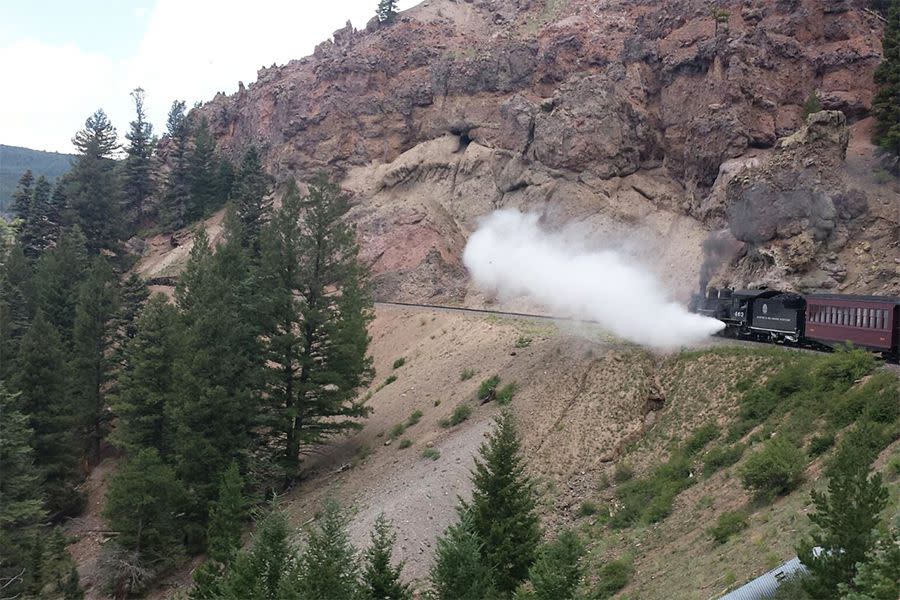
(757, 404)
(523, 342)
(396, 431)
(399, 362)
(614, 575)
(729, 523)
(414, 418)
(506, 393)
(700, 438)
(488, 387)
(444, 423)
(650, 499)
(775, 470)
(587, 509)
(466, 374)
(405, 443)
(812, 104)
(460, 414)
(720, 458)
(844, 367)
(431, 453)
(623, 472)
(819, 444)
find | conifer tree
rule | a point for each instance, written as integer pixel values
(319, 309)
(845, 517)
(250, 194)
(557, 570)
(39, 226)
(21, 510)
(268, 570)
(224, 179)
(386, 11)
(502, 511)
(202, 171)
(381, 579)
(91, 365)
(138, 175)
(886, 104)
(93, 188)
(177, 192)
(16, 306)
(133, 296)
(143, 502)
(227, 516)
(147, 384)
(459, 571)
(41, 382)
(58, 275)
(877, 578)
(21, 198)
(328, 566)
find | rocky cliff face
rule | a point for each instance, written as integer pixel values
(651, 123)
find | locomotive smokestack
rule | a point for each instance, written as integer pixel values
(718, 248)
(511, 254)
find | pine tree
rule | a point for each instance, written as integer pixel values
(502, 510)
(21, 198)
(133, 296)
(459, 571)
(328, 566)
(138, 179)
(142, 504)
(21, 511)
(318, 339)
(58, 275)
(877, 578)
(93, 188)
(147, 384)
(177, 192)
(41, 382)
(224, 180)
(38, 230)
(386, 11)
(226, 519)
(250, 194)
(265, 572)
(381, 579)
(557, 570)
(845, 517)
(91, 365)
(886, 104)
(202, 171)
(16, 306)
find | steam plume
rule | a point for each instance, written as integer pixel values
(511, 255)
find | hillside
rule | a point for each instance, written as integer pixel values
(15, 160)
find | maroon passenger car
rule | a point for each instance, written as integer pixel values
(867, 321)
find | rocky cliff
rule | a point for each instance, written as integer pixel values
(657, 126)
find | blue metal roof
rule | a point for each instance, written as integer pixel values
(765, 586)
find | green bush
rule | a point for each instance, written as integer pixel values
(650, 499)
(488, 386)
(506, 393)
(729, 523)
(587, 509)
(460, 414)
(523, 342)
(623, 472)
(613, 576)
(397, 430)
(399, 362)
(431, 453)
(844, 367)
(720, 458)
(700, 438)
(467, 374)
(820, 444)
(775, 470)
(414, 418)
(405, 443)
(390, 379)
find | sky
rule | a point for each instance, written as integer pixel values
(60, 60)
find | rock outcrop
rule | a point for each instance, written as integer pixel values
(627, 115)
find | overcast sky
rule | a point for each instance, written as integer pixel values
(60, 60)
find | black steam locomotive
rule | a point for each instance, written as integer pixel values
(821, 321)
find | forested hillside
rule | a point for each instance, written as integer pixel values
(14, 161)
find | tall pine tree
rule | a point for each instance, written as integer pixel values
(251, 197)
(21, 198)
(459, 571)
(886, 104)
(16, 305)
(57, 278)
(328, 567)
(380, 579)
(319, 310)
(39, 226)
(138, 166)
(202, 171)
(177, 191)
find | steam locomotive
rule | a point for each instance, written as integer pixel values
(821, 321)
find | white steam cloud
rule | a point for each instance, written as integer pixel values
(511, 255)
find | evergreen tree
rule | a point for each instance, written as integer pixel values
(21, 511)
(328, 567)
(886, 104)
(147, 383)
(138, 179)
(202, 170)
(317, 337)
(502, 510)
(92, 185)
(227, 516)
(265, 572)
(21, 198)
(845, 517)
(386, 11)
(133, 296)
(878, 578)
(250, 194)
(381, 579)
(90, 365)
(143, 502)
(459, 571)
(57, 278)
(177, 193)
(41, 382)
(557, 570)
(16, 305)
(224, 179)
(39, 226)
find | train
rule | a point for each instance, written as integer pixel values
(818, 321)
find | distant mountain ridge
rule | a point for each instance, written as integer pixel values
(15, 160)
